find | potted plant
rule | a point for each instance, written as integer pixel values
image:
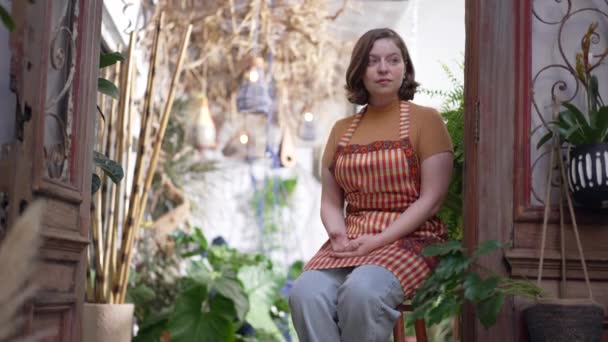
(221, 294)
(104, 318)
(456, 280)
(585, 130)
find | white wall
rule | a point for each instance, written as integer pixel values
(433, 30)
(7, 98)
(439, 39)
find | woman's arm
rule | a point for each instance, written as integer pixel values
(332, 211)
(435, 178)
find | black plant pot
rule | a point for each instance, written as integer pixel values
(588, 175)
(564, 322)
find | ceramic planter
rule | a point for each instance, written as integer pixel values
(107, 322)
(588, 175)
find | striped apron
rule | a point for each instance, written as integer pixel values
(380, 181)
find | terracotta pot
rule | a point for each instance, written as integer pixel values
(107, 322)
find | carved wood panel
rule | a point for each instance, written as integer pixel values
(55, 54)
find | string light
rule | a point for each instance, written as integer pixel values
(308, 117)
(244, 138)
(254, 75)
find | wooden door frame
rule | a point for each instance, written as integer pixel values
(495, 54)
(65, 227)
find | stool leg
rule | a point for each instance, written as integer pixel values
(399, 330)
(420, 328)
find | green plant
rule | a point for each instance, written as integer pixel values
(221, 292)
(274, 195)
(572, 125)
(110, 167)
(6, 19)
(452, 112)
(103, 85)
(455, 280)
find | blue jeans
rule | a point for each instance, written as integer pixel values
(345, 304)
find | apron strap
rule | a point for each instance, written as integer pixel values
(404, 120)
(351, 129)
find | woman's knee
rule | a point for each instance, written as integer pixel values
(311, 287)
(358, 294)
(369, 286)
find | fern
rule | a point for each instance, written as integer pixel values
(452, 112)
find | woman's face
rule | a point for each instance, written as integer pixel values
(385, 69)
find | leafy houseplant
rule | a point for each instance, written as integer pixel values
(585, 130)
(222, 295)
(454, 281)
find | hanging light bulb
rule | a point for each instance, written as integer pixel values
(204, 129)
(307, 127)
(308, 117)
(254, 94)
(244, 138)
(254, 75)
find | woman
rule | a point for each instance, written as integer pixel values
(391, 163)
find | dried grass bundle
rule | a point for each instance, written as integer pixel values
(291, 35)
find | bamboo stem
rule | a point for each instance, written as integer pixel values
(102, 148)
(97, 255)
(109, 200)
(117, 190)
(90, 290)
(159, 139)
(129, 224)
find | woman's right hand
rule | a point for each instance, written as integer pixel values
(340, 243)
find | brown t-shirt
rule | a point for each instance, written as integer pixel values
(428, 133)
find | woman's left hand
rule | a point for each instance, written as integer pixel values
(363, 245)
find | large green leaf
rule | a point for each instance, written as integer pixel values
(224, 282)
(452, 265)
(446, 308)
(6, 19)
(108, 88)
(488, 310)
(260, 286)
(578, 117)
(544, 139)
(602, 123)
(477, 289)
(574, 135)
(199, 238)
(191, 321)
(231, 288)
(111, 168)
(442, 249)
(111, 58)
(486, 247)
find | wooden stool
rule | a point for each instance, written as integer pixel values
(399, 329)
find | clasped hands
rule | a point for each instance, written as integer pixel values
(343, 247)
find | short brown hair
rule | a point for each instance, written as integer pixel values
(358, 64)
